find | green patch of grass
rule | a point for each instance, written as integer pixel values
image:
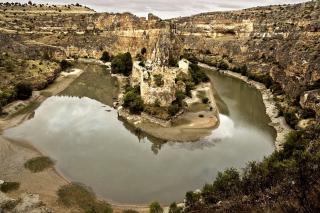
(77, 195)
(9, 186)
(38, 164)
(130, 211)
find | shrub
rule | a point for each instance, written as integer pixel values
(155, 208)
(223, 65)
(192, 199)
(105, 57)
(142, 64)
(276, 88)
(205, 100)
(292, 144)
(173, 109)
(122, 64)
(38, 164)
(180, 96)
(197, 74)
(143, 50)
(189, 86)
(308, 113)
(130, 211)
(227, 183)
(291, 118)
(64, 64)
(158, 80)
(133, 101)
(207, 194)
(173, 62)
(9, 186)
(23, 90)
(76, 195)
(174, 208)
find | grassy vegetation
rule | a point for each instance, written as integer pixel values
(9, 186)
(38, 164)
(77, 195)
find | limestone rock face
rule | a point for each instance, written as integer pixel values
(282, 42)
(151, 93)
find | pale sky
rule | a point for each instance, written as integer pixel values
(165, 8)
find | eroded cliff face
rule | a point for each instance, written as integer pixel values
(278, 41)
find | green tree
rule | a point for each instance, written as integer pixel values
(155, 208)
(122, 64)
(23, 90)
(64, 64)
(105, 57)
(227, 183)
(174, 208)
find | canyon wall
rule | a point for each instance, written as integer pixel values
(282, 42)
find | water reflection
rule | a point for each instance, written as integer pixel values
(91, 145)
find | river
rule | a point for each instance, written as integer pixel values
(81, 131)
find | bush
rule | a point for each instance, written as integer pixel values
(23, 90)
(133, 101)
(9, 186)
(143, 51)
(122, 64)
(155, 208)
(180, 96)
(227, 183)
(173, 62)
(64, 64)
(76, 195)
(205, 100)
(158, 80)
(173, 109)
(142, 64)
(197, 74)
(291, 119)
(38, 164)
(308, 113)
(130, 211)
(105, 57)
(174, 208)
(223, 65)
(207, 194)
(189, 86)
(192, 199)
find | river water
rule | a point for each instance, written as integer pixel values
(82, 133)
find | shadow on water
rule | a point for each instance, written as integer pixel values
(91, 145)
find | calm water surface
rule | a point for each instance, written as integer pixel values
(83, 134)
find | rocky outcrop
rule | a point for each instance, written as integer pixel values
(26, 203)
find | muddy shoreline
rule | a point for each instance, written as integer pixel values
(277, 122)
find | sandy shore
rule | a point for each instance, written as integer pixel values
(277, 122)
